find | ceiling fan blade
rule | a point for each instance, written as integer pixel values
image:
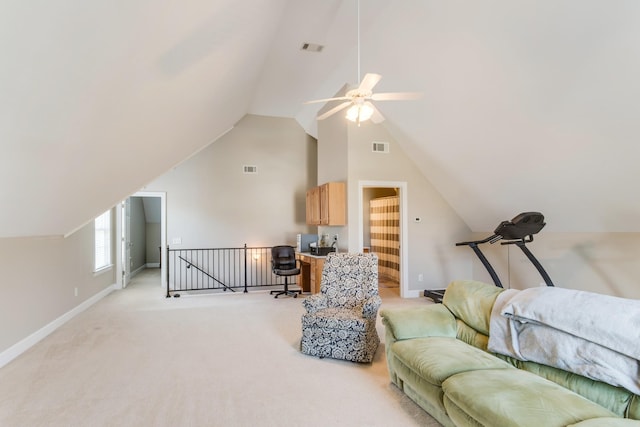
(376, 117)
(334, 110)
(315, 101)
(368, 82)
(396, 96)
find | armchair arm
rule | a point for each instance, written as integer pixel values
(418, 322)
(314, 303)
(371, 306)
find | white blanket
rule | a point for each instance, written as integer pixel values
(593, 335)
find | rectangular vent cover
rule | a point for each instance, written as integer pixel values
(380, 147)
(250, 169)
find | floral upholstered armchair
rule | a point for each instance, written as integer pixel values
(341, 320)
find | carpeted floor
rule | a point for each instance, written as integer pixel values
(137, 358)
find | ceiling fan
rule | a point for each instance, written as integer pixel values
(359, 99)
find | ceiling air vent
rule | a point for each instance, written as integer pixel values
(250, 169)
(312, 47)
(380, 147)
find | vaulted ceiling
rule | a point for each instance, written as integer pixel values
(527, 105)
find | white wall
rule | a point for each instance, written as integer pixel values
(606, 263)
(344, 154)
(153, 242)
(332, 149)
(39, 278)
(431, 243)
(212, 203)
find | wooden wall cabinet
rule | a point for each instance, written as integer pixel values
(326, 204)
(313, 206)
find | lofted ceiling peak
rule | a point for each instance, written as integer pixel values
(526, 106)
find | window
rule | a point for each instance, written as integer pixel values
(103, 241)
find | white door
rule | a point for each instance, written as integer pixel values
(126, 242)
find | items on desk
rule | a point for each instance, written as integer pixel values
(322, 250)
(304, 241)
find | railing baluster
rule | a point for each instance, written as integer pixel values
(219, 268)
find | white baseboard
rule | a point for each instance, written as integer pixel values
(137, 270)
(20, 347)
(413, 293)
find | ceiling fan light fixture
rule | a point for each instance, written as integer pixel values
(360, 112)
(357, 100)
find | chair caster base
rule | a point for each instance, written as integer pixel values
(287, 293)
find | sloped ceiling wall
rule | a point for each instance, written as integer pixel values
(527, 105)
(100, 97)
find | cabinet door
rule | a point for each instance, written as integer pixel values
(324, 204)
(313, 206)
(333, 204)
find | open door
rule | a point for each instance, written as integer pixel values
(125, 240)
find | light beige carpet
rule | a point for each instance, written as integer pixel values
(137, 358)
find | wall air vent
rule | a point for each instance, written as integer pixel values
(380, 147)
(312, 47)
(249, 169)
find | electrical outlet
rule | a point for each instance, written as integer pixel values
(420, 277)
(75, 292)
(335, 237)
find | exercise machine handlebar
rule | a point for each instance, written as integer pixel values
(519, 231)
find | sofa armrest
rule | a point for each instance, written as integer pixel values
(314, 302)
(419, 322)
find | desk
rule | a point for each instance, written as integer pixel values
(310, 271)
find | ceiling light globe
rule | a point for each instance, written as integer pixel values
(353, 112)
(366, 111)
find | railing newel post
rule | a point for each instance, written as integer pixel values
(245, 268)
(167, 267)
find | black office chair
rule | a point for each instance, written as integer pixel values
(284, 263)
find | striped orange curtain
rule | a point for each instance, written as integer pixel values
(385, 235)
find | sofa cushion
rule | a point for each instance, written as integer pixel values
(511, 397)
(471, 302)
(337, 318)
(466, 333)
(437, 358)
(421, 321)
(607, 422)
(615, 399)
(634, 408)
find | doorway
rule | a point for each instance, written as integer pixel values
(385, 232)
(141, 226)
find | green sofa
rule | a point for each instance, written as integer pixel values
(437, 355)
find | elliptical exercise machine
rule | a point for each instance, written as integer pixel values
(519, 231)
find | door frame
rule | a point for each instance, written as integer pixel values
(404, 239)
(126, 241)
(163, 237)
